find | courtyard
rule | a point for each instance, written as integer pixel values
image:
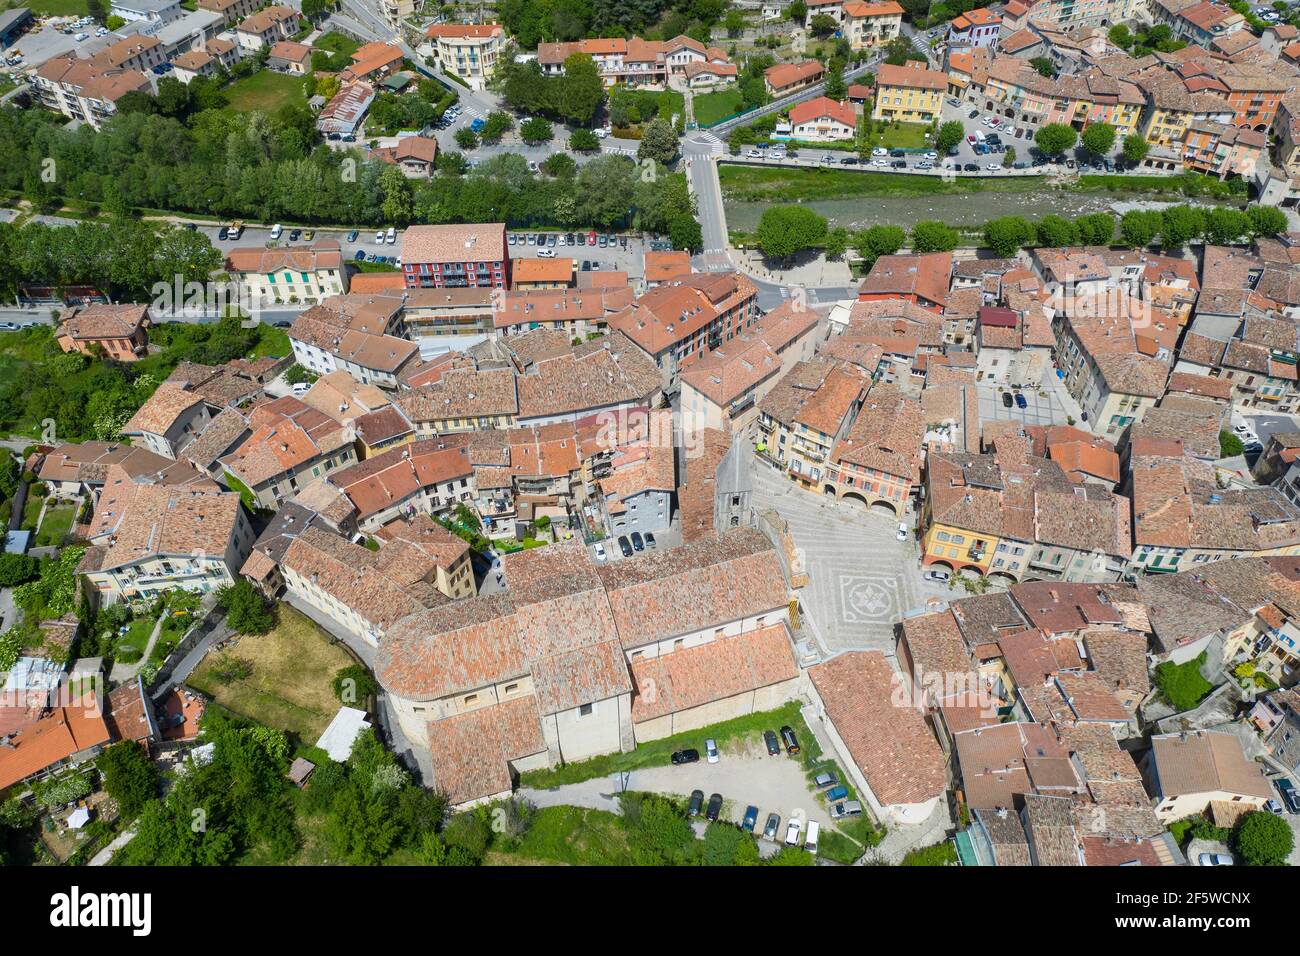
(861, 578)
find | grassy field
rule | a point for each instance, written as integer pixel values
(266, 91)
(903, 136)
(273, 342)
(57, 8)
(289, 687)
(758, 184)
(569, 835)
(714, 107)
(56, 523)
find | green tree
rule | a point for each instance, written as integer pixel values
(536, 130)
(658, 142)
(97, 10)
(1044, 66)
(1180, 225)
(1263, 839)
(797, 12)
(950, 134)
(931, 235)
(1134, 149)
(836, 244)
(495, 126)
(1121, 36)
(836, 88)
(130, 777)
(822, 25)
(877, 241)
(1225, 225)
(1096, 229)
(1267, 220)
(785, 230)
(1055, 138)
(559, 166)
(1057, 231)
(1230, 445)
(1139, 228)
(685, 233)
(1007, 235)
(17, 569)
(353, 684)
(466, 138)
(580, 91)
(247, 609)
(583, 141)
(1099, 138)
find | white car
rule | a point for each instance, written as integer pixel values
(994, 167)
(82, 36)
(600, 552)
(711, 750)
(901, 534)
(883, 163)
(880, 151)
(1214, 859)
(602, 133)
(392, 235)
(792, 831)
(546, 253)
(276, 231)
(931, 155)
(754, 154)
(379, 237)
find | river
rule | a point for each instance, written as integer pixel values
(958, 209)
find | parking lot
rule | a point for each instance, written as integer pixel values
(1043, 406)
(591, 251)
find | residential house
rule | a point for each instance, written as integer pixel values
(1186, 771)
(469, 52)
(911, 93)
(291, 273)
(118, 332)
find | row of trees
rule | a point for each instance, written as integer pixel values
(784, 231)
(535, 21)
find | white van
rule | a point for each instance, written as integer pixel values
(979, 136)
(392, 235)
(276, 230)
(810, 841)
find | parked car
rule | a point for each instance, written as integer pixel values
(276, 231)
(715, 807)
(790, 740)
(360, 255)
(934, 575)
(971, 168)
(898, 153)
(825, 780)
(880, 151)
(223, 233)
(901, 534)
(697, 803)
(8, 326)
(771, 827)
(1007, 400)
(1214, 859)
(773, 745)
(586, 265)
(899, 164)
(1287, 791)
(751, 818)
(972, 114)
(379, 237)
(836, 794)
(352, 236)
(637, 543)
(849, 808)
(600, 552)
(625, 546)
(308, 235)
(792, 831)
(849, 161)
(294, 234)
(546, 253)
(1020, 400)
(711, 750)
(689, 755)
(650, 540)
(392, 235)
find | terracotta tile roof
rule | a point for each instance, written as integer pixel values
(161, 410)
(66, 731)
(471, 752)
(887, 435)
(663, 266)
(101, 321)
(686, 589)
(720, 669)
(892, 746)
(323, 254)
(732, 370)
(393, 476)
(914, 76)
(824, 106)
(1049, 823)
(594, 375)
(461, 393)
(926, 276)
(935, 644)
(139, 521)
(788, 74)
(468, 242)
(541, 270)
(286, 434)
(1205, 761)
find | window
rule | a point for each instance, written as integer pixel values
(511, 688)
(470, 698)
(586, 710)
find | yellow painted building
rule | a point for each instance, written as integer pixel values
(957, 547)
(912, 93)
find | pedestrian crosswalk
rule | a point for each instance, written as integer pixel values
(620, 150)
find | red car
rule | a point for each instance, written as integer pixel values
(591, 238)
